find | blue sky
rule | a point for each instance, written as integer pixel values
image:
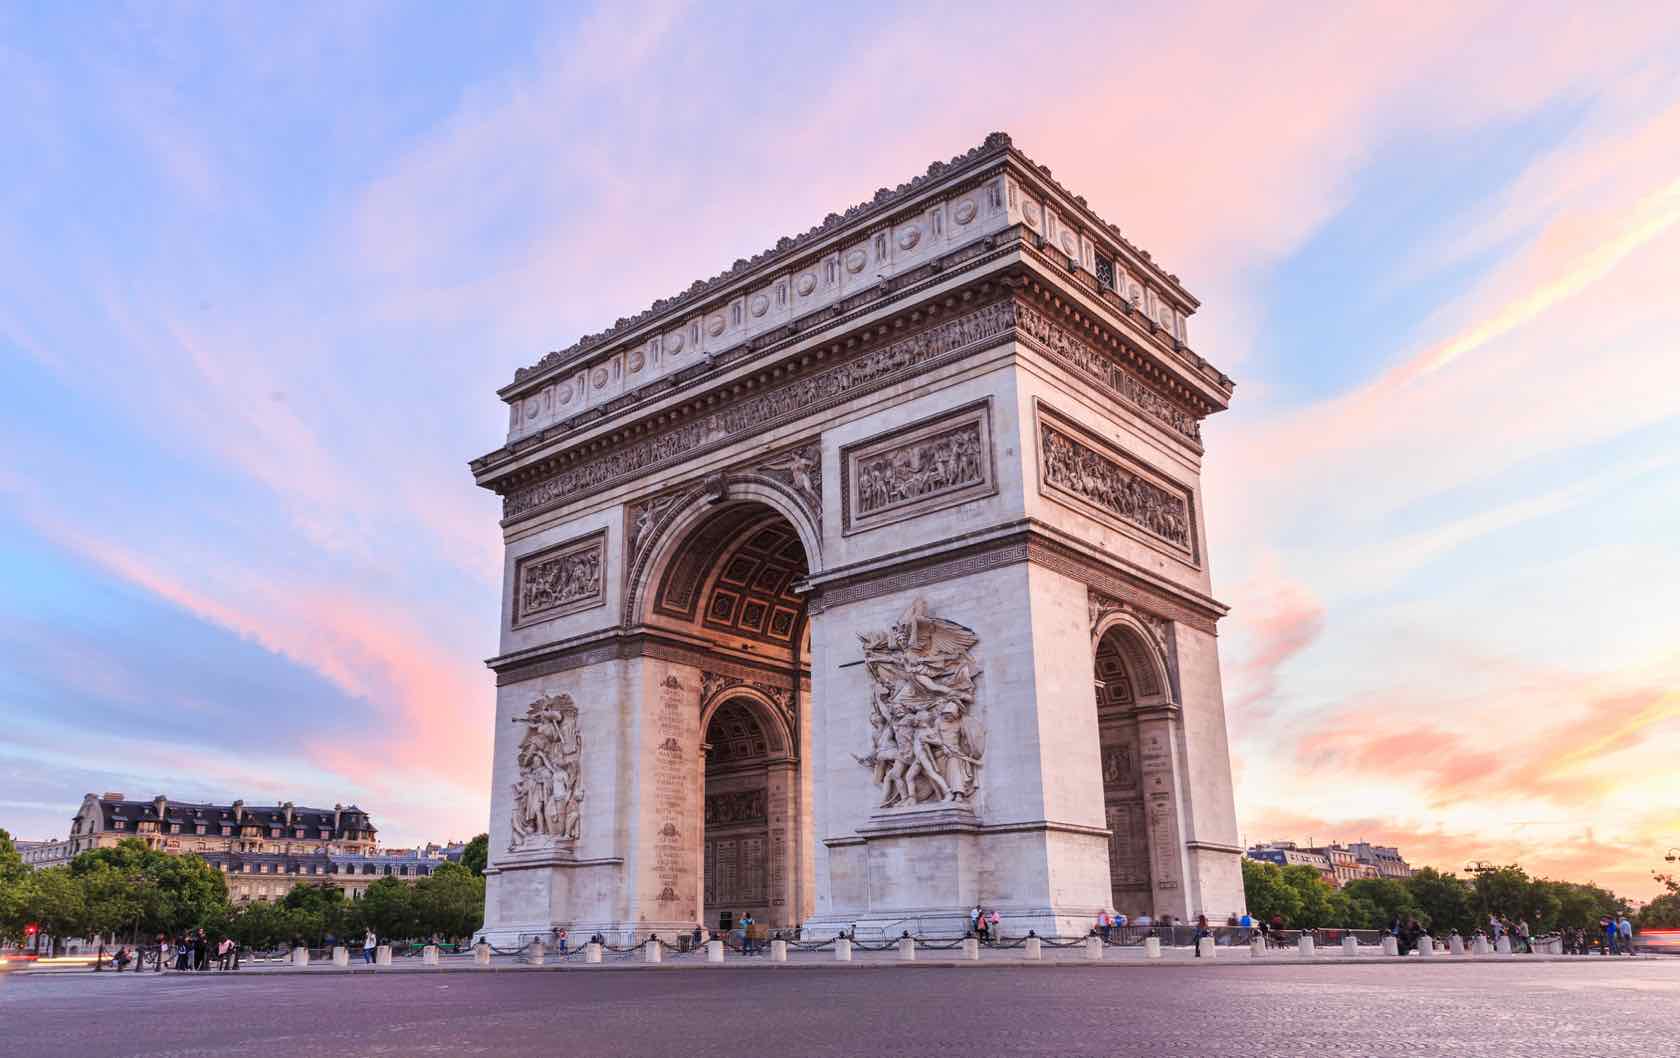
(264, 272)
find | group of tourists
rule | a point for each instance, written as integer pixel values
(1615, 937)
(986, 925)
(191, 951)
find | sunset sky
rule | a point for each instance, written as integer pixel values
(259, 280)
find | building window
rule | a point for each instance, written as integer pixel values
(273, 832)
(119, 825)
(298, 832)
(326, 834)
(227, 832)
(198, 829)
(1105, 272)
(174, 828)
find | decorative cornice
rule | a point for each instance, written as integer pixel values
(615, 644)
(997, 146)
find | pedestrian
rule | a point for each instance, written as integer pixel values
(370, 942)
(746, 933)
(1246, 925)
(1103, 923)
(183, 954)
(1202, 930)
(974, 920)
(1609, 928)
(982, 928)
(163, 950)
(698, 938)
(560, 940)
(994, 921)
(201, 951)
(1624, 934)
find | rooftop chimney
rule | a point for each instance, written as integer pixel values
(112, 797)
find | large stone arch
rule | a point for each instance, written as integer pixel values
(658, 529)
(1143, 648)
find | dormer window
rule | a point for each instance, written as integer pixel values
(119, 824)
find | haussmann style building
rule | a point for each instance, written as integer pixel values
(867, 582)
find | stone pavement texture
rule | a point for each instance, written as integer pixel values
(1583, 1007)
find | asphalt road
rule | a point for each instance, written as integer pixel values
(1586, 1008)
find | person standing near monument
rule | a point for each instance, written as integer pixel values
(1624, 933)
(369, 943)
(746, 933)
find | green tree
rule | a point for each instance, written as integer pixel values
(12, 874)
(1318, 905)
(54, 900)
(260, 925)
(150, 892)
(1266, 893)
(316, 911)
(1442, 900)
(476, 856)
(387, 907)
(450, 903)
(1387, 900)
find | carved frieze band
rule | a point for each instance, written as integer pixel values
(1103, 605)
(1097, 366)
(1082, 470)
(561, 579)
(868, 371)
(736, 807)
(919, 469)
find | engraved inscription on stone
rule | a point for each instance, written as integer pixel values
(739, 806)
(924, 468)
(1071, 467)
(673, 789)
(561, 580)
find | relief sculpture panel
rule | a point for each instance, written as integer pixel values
(927, 743)
(560, 580)
(1081, 470)
(923, 468)
(548, 795)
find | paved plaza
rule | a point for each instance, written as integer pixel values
(1577, 1007)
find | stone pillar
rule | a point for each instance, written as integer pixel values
(1034, 949)
(536, 952)
(382, 955)
(1479, 945)
(714, 951)
(1152, 947)
(1390, 946)
(341, 955)
(971, 948)
(1503, 947)
(842, 950)
(907, 949)
(778, 950)
(592, 952)
(1350, 945)
(782, 858)
(653, 951)
(1426, 946)
(1093, 948)
(1455, 944)
(1206, 948)
(1257, 946)
(1305, 945)
(1160, 768)
(300, 956)
(430, 956)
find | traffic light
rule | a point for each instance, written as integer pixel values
(31, 929)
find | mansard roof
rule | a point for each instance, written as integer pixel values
(995, 147)
(192, 814)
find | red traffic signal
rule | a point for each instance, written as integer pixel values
(31, 929)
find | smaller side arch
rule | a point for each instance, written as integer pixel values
(779, 741)
(1145, 664)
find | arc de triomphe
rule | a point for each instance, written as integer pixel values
(866, 582)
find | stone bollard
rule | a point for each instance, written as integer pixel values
(592, 952)
(1390, 945)
(1479, 946)
(1034, 949)
(653, 951)
(341, 955)
(1093, 948)
(300, 956)
(1503, 946)
(907, 949)
(778, 950)
(481, 954)
(1350, 945)
(1152, 947)
(1455, 944)
(536, 953)
(1206, 948)
(431, 956)
(1257, 947)
(1426, 946)
(842, 949)
(714, 951)
(971, 947)
(382, 955)
(1305, 945)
